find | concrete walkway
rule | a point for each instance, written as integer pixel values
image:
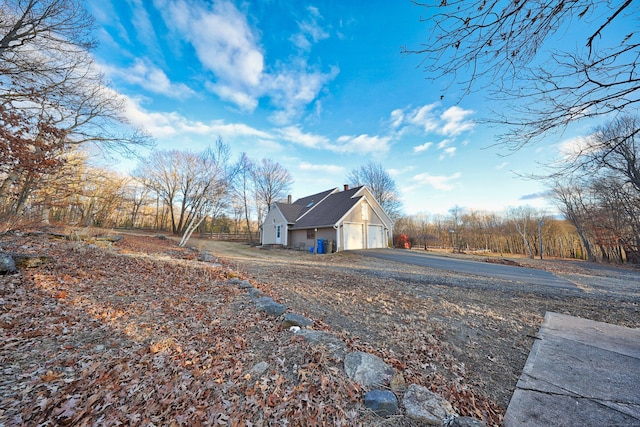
(579, 373)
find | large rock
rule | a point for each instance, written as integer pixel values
(270, 307)
(293, 319)
(423, 405)
(31, 261)
(382, 402)
(7, 265)
(367, 369)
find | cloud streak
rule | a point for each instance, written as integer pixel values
(438, 182)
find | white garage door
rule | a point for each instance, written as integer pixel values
(375, 236)
(353, 236)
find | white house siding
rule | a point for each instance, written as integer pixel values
(269, 229)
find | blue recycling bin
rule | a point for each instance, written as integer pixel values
(320, 246)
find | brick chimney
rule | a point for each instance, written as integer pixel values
(289, 199)
(346, 187)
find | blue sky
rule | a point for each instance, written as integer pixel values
(320, 87)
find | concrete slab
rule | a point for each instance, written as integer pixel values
(579, 373)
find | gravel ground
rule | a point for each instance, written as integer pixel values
(445, 328)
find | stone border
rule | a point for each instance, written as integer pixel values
(382, 382)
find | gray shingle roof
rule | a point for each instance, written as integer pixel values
(327, 213)
(298, 208)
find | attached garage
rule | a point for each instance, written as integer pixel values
(353, 236)
(375, 237)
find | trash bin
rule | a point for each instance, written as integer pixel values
(321, 246)
(311, 249)
(329, 246)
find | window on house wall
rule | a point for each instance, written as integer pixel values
(365, 212)
(311, 234)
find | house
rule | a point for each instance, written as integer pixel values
(344, 220)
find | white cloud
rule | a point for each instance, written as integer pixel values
(362, 144)
(397, 118)
(330, 169)
(423, 147)
(455, 121)
(293, 88)
(444, 143)
(424, 117)
(143, 26)
(438, 182)
(502, 165)
(310, 31)
(238, 97)
(573, 147)
(295, 135)
(170, 124)
(226, 45)
(451, 122)
(151, 78)
(448, 152)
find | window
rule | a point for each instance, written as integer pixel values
(278, 231)
(365, 211)
(311, 234)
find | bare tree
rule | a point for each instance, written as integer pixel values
(191, 185)
(272, 182)
(599, 190)
(382, 187)
(211, 187)
(511, 48)
(244, 190)
(51, 93)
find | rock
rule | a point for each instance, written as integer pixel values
(423, 405)
(466, 422)
(382, 402)
(161, 237)
(367, 369)
(255, 293)
(258, 369)
(7, 264)
(112, 239)
(293, 319)
(334, 344)
(398, 383)
(208, 258)
(270, 307)
(31, 261)
(242, 284)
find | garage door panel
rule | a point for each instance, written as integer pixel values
(353, 236)
(375, 236)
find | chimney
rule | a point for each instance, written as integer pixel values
(289, 199)
(346, 187)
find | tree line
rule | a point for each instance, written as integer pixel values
(54, 101)
(518, 231)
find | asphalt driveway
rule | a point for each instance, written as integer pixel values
(526, 275)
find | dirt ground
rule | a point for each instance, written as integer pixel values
(445, 327)
(140, 332)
